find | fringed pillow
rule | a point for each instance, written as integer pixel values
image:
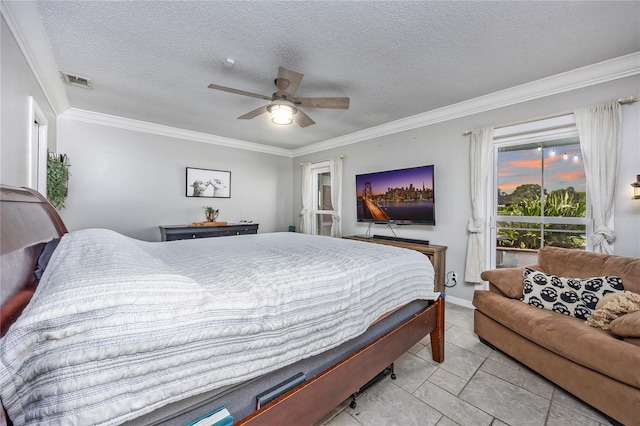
(576, 297)
(612, 307)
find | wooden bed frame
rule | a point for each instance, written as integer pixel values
(28, 221)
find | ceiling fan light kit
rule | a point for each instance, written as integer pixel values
(284, 106)
(281, 112)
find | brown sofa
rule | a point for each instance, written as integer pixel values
(597, 366)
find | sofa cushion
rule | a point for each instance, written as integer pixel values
(585, 264)
(568, 296)
(627, 325)
(633, 340)
(566, 336)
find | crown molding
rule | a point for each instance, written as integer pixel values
(173, 132)
(23, 20)
(621, 67)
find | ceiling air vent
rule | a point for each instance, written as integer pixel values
(76, 80)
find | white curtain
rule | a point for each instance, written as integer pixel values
(480, 165)
(335, 168)
(305, 213)
(599, 128)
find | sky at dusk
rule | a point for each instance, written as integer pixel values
(381, 181)
(520, 167)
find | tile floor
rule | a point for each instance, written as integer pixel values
(474, 386)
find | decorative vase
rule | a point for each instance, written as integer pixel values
(211, 216)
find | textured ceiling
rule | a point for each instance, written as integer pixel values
(152, 61)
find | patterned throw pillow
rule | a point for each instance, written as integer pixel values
(576, 297)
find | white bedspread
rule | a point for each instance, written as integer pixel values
(119, 327)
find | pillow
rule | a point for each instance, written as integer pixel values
(627, 325)
(43, 260)
(576, 297)
(615, 306)
(507, 280)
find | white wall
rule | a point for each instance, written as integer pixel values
(444, 146)
(132, 182)
(17, 84)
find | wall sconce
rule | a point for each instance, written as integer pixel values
(636, 188)
(281, 112)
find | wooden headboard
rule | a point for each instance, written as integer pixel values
(27, 222)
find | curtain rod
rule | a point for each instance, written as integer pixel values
(341, 156)
(628, 100)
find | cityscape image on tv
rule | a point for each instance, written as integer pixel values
(401, 196)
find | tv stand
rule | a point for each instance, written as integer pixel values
(404, 240)
(436, 254)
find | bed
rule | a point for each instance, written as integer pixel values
(119, 330)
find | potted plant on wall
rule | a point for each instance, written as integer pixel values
(57, 179)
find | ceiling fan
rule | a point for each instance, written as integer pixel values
(285, 107)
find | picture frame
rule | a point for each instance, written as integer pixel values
(207, 183)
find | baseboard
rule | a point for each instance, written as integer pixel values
(461, 302)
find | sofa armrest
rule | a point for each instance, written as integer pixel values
(507, 280)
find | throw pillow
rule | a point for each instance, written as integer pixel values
(627, 326)
(507, 280)
(616, 306)
(44, 258)
(576, 297)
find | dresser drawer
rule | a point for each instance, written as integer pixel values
(186, 232)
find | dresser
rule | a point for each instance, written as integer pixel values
(436, 254)
(186, 232)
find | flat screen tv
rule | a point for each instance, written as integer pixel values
(403, 196)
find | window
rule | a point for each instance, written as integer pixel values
(540, 196)
(322, 208)
(321, 198)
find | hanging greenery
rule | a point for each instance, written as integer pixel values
(57, 179)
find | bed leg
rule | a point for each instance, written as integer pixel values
(437, 335)
(384, 373)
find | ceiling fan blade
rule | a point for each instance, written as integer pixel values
(238, 92)
(254, 113)
(288, 82)
(302, 119)
(335, 103)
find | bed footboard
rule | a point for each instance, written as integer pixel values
(312, 400)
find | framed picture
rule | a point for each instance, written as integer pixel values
(208, 183)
